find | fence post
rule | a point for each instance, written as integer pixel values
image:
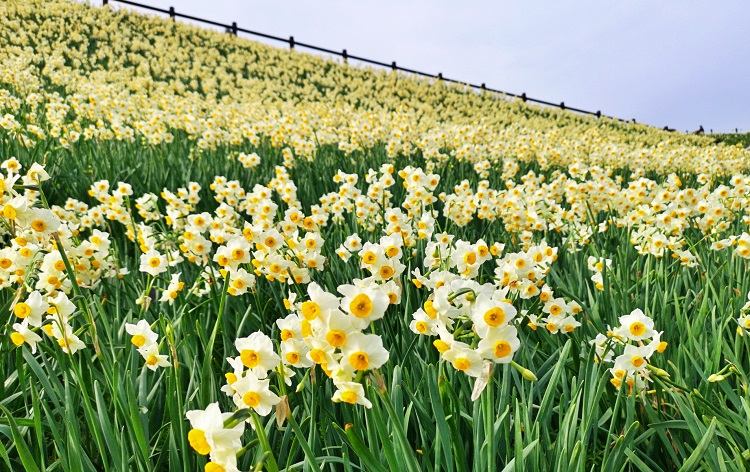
(345, 55)
(105, 2)
(523, 96)
(291, 42)
(393, 65)
(562, 105)
(598, 113)
(234, 28)
(171, 13)
(483, 87)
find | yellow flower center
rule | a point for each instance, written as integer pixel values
(270, 241)
(22, 310)
(336, 337)
(420, 326)
(555, 310)
(231, 377)
(502, 349)
(154, 262)
(637, 328)
(9, 212)
(213, 467)
(251, 399)
(238, 254)
(38, 225)
(138, 340)
(17, 338)
(369, 257)
(359, 360)
(197, 439)
(287, 334)
(318, 355)
(361, 306)
(310, 310)
(249, 358)
(462, 364)
(440, 345)
(494, 316)
(470, 257)
(152, 360)
(292, 357)
(638, 361)
(349, 396)
(386, 272)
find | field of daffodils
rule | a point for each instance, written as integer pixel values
(220, 256)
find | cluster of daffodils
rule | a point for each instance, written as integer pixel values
(147, 343)
(629, 348)
(476, 322)
(239, 92)
(43, 248)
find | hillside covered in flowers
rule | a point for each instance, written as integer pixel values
(218, 255)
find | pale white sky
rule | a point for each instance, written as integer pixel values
(679, 63)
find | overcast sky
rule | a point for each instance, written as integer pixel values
(679, 63)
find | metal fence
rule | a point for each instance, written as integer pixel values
(234, 29)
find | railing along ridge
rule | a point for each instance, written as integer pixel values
(234, 29)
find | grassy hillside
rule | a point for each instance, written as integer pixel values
(222, 256)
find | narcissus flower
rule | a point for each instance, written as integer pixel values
(153, 263)
(252, 392)
(363, 352)
(142, 335)
(489, 313)
(153, 359)
(208, 434)
(22, 334)
(352, 393)
(636, 326)
(32, 309)
(256, 352)
(499, 344)
(364, 304)
(464, 358)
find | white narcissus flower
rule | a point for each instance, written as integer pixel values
(364, 304)
(40, 220)
(352, 393)
(240, 281)
(464, 358)
(488, 314)
(321, 303)
(252, 392)
(152, 357)
(61, 308)
(294, 353)
(256, 352)
(363, 352)
(636, 326)
(153, 263)
(66, 339)
(32, 309)
(499, 344)
(208, 434)
(142, 335)
(23, 334)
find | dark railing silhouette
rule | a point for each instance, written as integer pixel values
(234, 29)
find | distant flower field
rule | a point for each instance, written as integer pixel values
(222, 256)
